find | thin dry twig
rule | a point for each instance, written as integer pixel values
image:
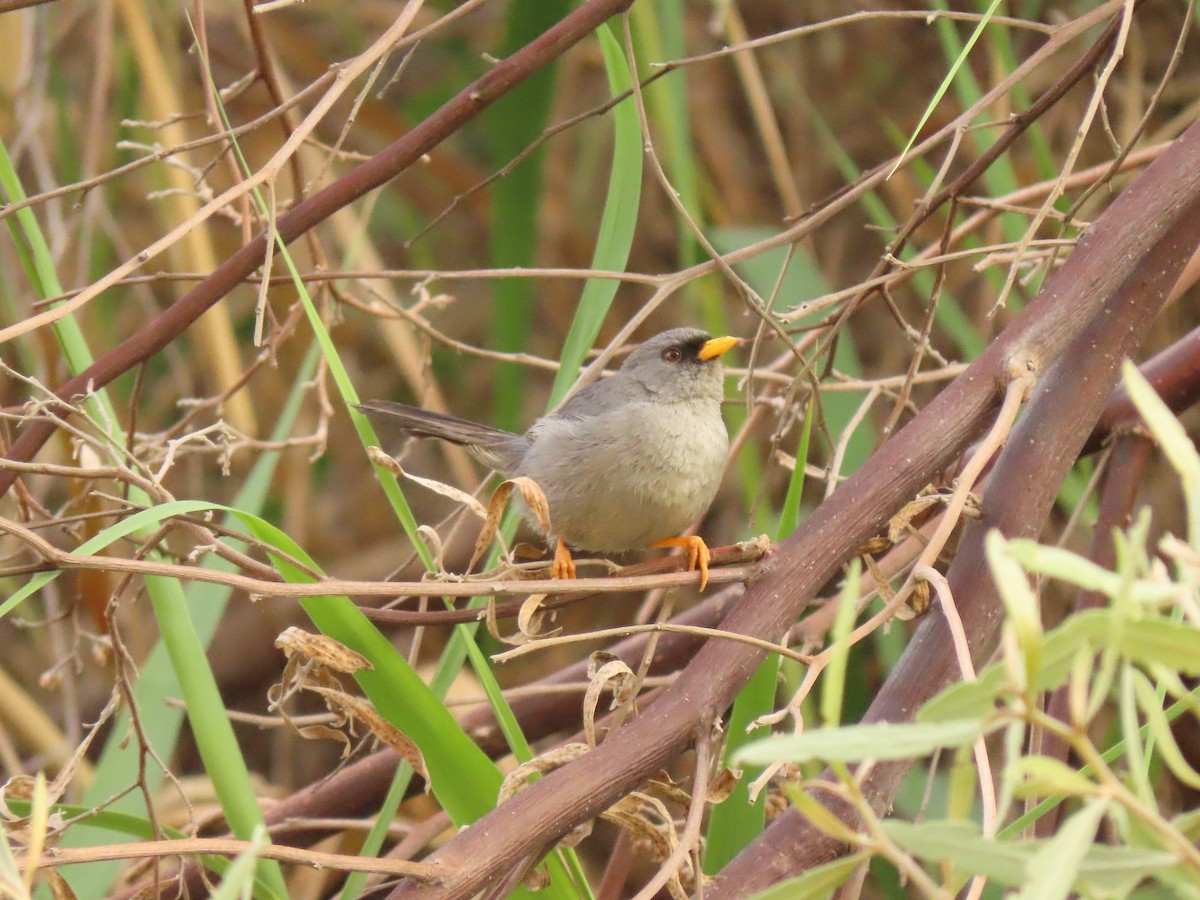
(429, 873)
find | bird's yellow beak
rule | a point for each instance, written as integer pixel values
(714, 348)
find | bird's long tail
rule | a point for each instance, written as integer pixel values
(495, 447)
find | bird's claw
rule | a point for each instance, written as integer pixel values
(563, 566)
(698, 554)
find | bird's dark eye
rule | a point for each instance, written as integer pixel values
(672, 354)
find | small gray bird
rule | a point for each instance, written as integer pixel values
(627, 463)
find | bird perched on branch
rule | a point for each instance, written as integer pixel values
(627, 463)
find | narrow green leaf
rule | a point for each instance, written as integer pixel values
(1148, 642)
(967, 698)
(1173, 439)
(1161, 642)
(464, 780)
(238, 880)
(511, 124)
(816, 883)
(1135, 750)
(1020, 602)
(819, 815)
(211, 726)
(1101, 871)
(1077, 570)
(960, 844)
(617, 223)
(789, 516)
(380, 829)
(734, 823)
(1116, 751)
(1054, 868)
(1042, 775)
(210, 723)
(159, 722)
(1151, 705)
(880, 740)
(833, 679)
(1188, 824)
(947, 81)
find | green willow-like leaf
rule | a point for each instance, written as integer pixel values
(1101, 871)
(1052, 871)
(1149, 642)
(819, 882)
(850, 743)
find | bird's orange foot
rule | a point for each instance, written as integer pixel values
(563, 566)
(698, 554)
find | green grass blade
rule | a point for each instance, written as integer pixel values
(379, 830)
(617, 223)
(789, 516)
(833, 679)
(512, 123)
(211, 725)
(947, 81)
(734, 823)
(238, 879)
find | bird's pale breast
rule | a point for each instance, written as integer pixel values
(627, 478)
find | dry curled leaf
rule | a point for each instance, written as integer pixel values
(534, 499)
(577, 835)
(649, 838)
(646, 837)
(59, 889)
(536, 878)
(356, 708)
(531, 617)
(875, 546)
(668, 791)
(313, 663)
(612, 674)
(431, 539)
(905, 520)
(532, 494)
(548, 761)
(884, 589)
(321, 733)
(722, 785)
(322, 650)
(19, 787)
(490, 621)
(386, 461)
(918, 601)
(446, 490)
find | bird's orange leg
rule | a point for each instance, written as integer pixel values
(698, 554)
(563, 566)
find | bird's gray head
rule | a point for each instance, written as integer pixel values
(681, 363)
